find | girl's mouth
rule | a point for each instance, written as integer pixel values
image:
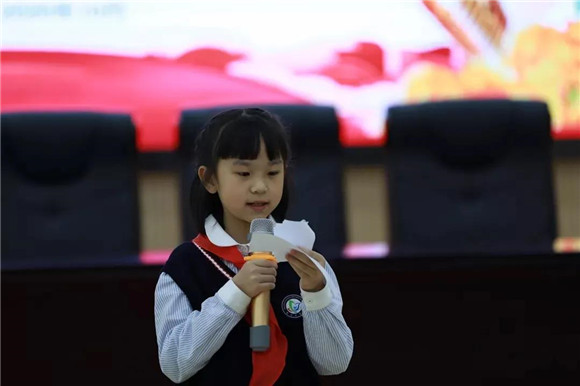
(258, 206)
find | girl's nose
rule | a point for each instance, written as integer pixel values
(259, 187)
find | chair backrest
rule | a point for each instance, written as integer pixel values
(316, 192)
(69, 189)
(470, 176)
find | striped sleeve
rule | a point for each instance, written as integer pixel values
(328, 337)
(186, 338)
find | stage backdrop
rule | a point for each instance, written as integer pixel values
(362, 56)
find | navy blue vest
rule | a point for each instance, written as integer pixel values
(232, 363)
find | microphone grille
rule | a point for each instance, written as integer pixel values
(262, 225)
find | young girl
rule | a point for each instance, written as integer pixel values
(201, 300)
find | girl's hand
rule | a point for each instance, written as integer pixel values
(311, 279)
(256, 276)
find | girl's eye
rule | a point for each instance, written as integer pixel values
(274, 172)
(243, 174)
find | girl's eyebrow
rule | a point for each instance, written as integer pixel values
(242, 162)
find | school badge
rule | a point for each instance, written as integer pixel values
(292, 306)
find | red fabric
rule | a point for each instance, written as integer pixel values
(153, 90)
(267, 365)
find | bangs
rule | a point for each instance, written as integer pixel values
(241, 139)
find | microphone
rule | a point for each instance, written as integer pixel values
(260, 329)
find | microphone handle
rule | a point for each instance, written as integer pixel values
(260, 330)
(261, 309)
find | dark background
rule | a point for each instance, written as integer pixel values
(415, 321)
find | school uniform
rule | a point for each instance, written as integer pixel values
(203, 334)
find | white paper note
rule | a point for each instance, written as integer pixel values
(287, 235)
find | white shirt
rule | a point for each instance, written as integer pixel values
(187, 338)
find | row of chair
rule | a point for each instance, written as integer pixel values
(69, 183)
(463, 177)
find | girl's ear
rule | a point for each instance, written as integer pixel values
(209, 184)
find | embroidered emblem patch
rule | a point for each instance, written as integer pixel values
(292, 306)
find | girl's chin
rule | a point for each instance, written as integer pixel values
(254, 216)
(259, 216)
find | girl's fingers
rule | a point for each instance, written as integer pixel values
(299, 255)
(267, 271)
(315, 255)
(265, 263)
(296, 268)
(302, 261)
(267, 279)
(307, 251)
(301, 267)
(303, 258)
(266, 287)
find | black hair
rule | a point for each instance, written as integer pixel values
(236, 133)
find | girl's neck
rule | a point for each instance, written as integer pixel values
(237, 229)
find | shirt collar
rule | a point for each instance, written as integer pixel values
(217, 235)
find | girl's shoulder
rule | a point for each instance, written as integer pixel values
(182, 253)
(184, 248)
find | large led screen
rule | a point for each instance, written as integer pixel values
(361, 56)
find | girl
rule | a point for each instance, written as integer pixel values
(205, 288)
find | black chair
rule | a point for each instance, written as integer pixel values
(316, 194)
(470, 177)
(69, 189)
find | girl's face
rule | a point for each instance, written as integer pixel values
(248, 189)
